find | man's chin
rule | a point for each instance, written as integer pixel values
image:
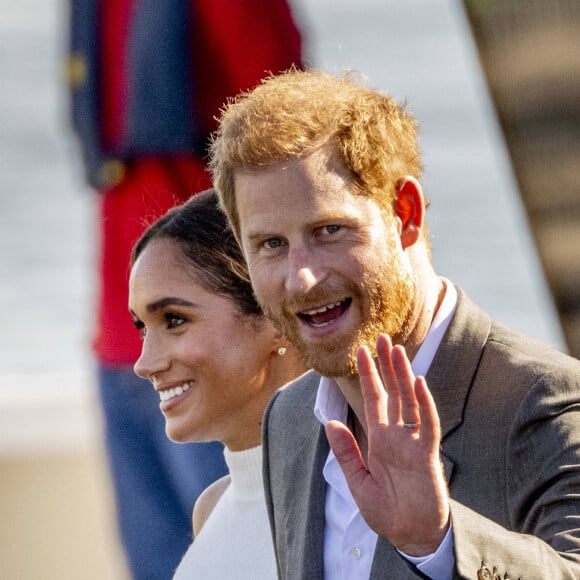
(329, 358)
(342, 373)
(335, 364)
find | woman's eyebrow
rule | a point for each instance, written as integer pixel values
(170, 301)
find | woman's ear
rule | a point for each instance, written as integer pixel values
(410, 209)
(279, 343)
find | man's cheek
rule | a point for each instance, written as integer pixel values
(260, 289)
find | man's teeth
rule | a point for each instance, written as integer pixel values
(322, 309)
(174, 392)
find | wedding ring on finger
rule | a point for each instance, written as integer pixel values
(411, 425)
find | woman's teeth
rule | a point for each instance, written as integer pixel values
(174, 392)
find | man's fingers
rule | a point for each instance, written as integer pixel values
(373, 393)
(384, 348)
(430, 424)
(399, 379)
(347, 453)
(406, 386)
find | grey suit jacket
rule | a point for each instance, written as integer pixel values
(510, 414)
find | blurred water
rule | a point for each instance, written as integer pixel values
(418, 49)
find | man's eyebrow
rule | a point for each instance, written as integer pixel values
(253, 234)
(170, 301)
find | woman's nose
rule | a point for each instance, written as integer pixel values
(152, 360)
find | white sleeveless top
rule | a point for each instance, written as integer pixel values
(235, 542)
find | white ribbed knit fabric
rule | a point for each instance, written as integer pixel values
(235, 542)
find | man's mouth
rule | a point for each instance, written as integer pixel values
(325, 315)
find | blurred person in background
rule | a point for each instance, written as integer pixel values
(146, 81)
(214, 360)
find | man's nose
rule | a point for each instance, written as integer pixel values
(303, 272)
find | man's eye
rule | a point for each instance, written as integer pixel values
(331, 229)
(273, 243)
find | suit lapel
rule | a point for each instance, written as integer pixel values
(454, 366)
(452, 371)
(313, 537)
(299, 502)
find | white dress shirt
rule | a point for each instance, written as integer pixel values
(349, 543)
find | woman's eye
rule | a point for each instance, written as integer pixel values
(140, 327)
(174, 321)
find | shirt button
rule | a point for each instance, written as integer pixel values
(356, 553)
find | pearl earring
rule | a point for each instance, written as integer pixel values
(281, 350)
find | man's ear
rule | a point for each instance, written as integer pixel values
(410, 209)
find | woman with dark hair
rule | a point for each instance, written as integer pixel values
(215, 361)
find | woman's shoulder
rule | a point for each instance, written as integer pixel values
(207, 501)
